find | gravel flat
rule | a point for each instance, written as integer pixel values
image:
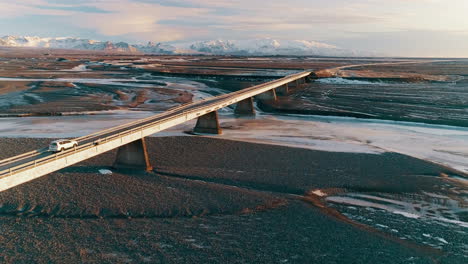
(208, 201)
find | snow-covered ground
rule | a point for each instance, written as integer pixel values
(444, 145)
(410, 207)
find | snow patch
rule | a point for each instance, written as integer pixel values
(442, 240)
(81, 67)
(105, 172)
(319, 192)
(340, 80)
(415, 207)
(406, 214)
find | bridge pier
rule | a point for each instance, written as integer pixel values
(311, 76)
(283, 90)
(298, 83)
(268, 95)
(245, 107)
(293, 85)
(208, 123)
(133, 156)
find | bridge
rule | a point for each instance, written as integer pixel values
(129, 138)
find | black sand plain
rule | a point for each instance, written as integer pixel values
(209, 201)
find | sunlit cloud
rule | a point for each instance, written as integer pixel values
(185, 20)
(29, 7)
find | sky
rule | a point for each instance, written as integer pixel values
(415, 28)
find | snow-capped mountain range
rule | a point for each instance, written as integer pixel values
(266, 46)
(269, 46)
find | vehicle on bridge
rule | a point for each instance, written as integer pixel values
(62, 144)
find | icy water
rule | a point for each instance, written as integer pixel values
(440, 97)
(426, 102)
(199, 88)
(410, 217)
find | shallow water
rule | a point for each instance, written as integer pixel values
(436, 220)
(130, 85)
(443, 103)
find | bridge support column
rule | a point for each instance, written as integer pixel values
(283, 90)
(294, 84)
(245, 107)
(133, 156)
(208, 124)
(268, 95)
(312, 76)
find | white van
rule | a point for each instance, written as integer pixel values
(62, 144)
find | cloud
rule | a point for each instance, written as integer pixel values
(139, 20)
(132, 19)
(84, 8)
(11, 9)
(182, 20)
(152, 19)
(418, 43)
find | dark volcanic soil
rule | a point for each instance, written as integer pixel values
(209, 201)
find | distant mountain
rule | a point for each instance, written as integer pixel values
(269, 46)
(260, 47)
(65, 43)
(214, 47)
(156, 48)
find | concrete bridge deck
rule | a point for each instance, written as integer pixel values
(31, 165)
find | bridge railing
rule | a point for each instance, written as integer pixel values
(188, 115)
